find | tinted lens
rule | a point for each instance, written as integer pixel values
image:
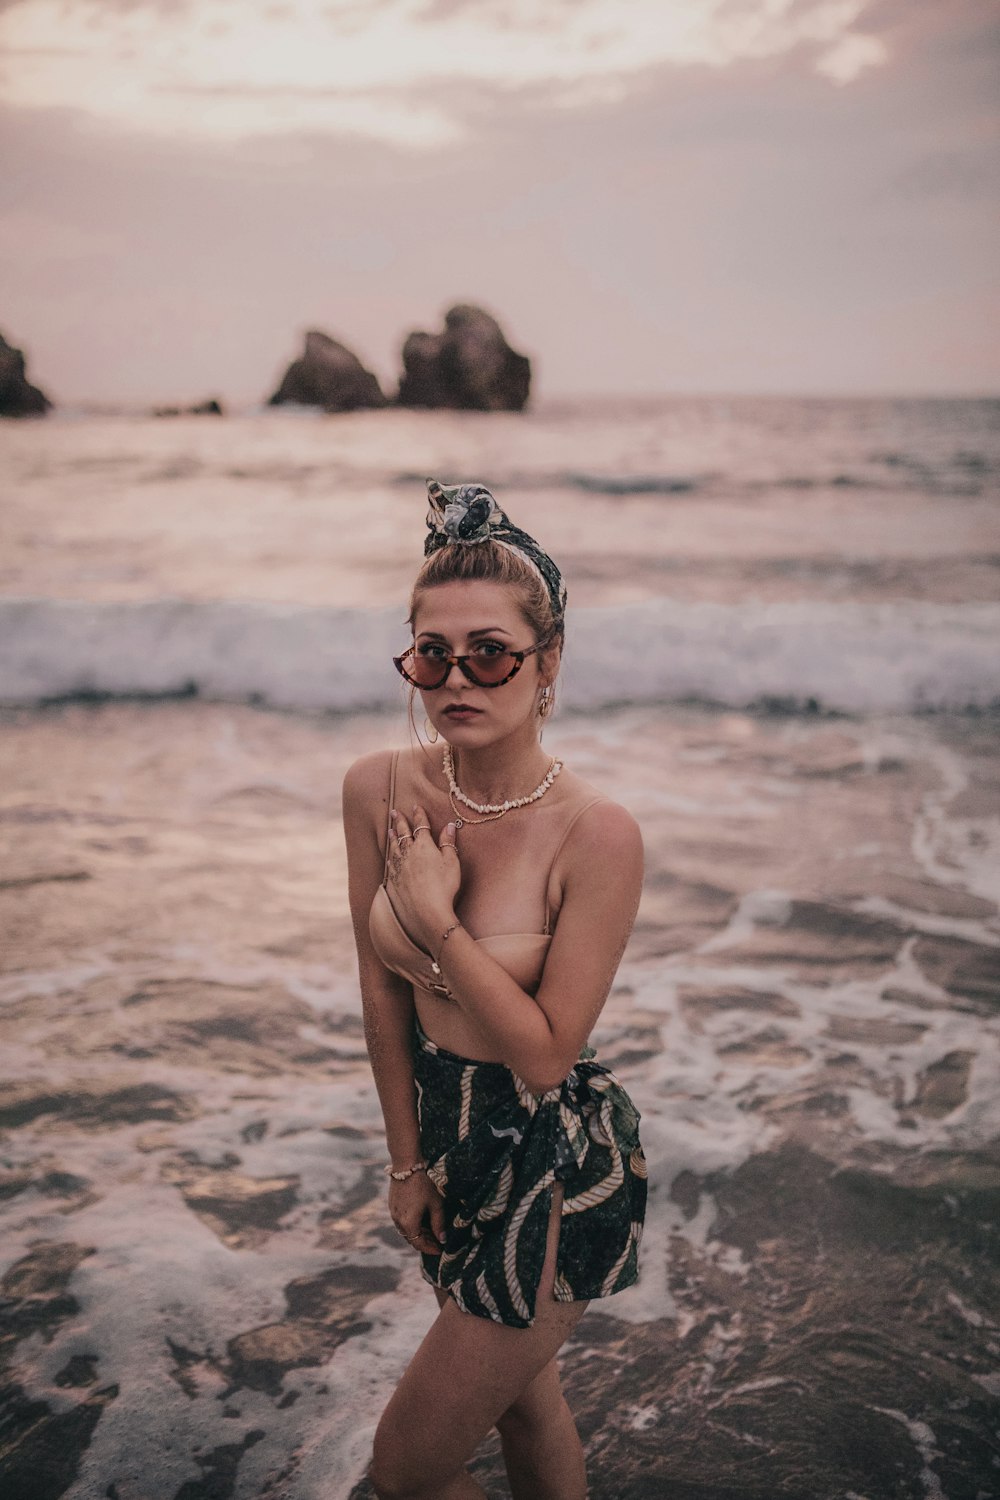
(491, 668)
(425, 671)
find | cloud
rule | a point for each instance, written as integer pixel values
(752, 228)
(264, 67)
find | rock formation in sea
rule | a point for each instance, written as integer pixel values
(18, 398)
(212, 407)
(469, 366)
(330, 376)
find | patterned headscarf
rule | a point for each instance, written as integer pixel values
(468, 513)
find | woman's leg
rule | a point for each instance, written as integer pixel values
(541, 1446)
(469, 1375)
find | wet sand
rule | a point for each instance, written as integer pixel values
(203, 1296)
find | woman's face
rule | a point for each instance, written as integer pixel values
(477, 616)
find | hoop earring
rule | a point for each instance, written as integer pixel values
(545, 703)
(430, 731)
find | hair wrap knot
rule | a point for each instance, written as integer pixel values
(465, 514)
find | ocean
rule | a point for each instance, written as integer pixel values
(783, 655)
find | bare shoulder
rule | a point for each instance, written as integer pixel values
(596, 878)
(603, 841)
(366, 782)
(599, 819)
(605, 829)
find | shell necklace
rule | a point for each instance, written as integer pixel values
(493, 809)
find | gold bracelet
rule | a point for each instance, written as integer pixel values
(404, 1172)
(439, 985)
(445, 936)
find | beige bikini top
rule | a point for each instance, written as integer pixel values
(522, 954)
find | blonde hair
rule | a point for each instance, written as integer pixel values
(493, 562)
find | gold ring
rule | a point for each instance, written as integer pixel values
(419, 827)
(401, 836)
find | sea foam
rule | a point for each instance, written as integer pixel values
(848, 657)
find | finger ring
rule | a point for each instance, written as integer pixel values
(418, 828)
(401, 836)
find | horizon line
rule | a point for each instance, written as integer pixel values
(244, 405)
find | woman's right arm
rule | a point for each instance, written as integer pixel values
(386, 1003)
(386, 999)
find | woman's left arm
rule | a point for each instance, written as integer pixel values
(539, 1037)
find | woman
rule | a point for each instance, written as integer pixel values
(492, 893)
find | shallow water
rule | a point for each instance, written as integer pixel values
(782, 656)
(204, 1294)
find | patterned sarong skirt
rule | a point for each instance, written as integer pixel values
(494, 1151)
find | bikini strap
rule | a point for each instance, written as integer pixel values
(390, 805)
(566, 833)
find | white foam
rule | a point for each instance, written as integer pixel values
(925, 1443)
(849, 657)
(158, 1273)
(953, 850)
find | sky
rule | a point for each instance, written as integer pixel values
(761, 196)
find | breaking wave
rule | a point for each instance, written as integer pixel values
(803, 655)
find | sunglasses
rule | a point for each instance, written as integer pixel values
(490, 665)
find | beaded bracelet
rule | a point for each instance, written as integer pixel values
(404, 1172)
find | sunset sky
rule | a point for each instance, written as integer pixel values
(652, 195)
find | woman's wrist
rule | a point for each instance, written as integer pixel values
(403, 1174)
(432, 928)
(441, 985)
(403, 1153)
(443, 937)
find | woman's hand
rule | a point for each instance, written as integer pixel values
(417, 1212)
(425, 876)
